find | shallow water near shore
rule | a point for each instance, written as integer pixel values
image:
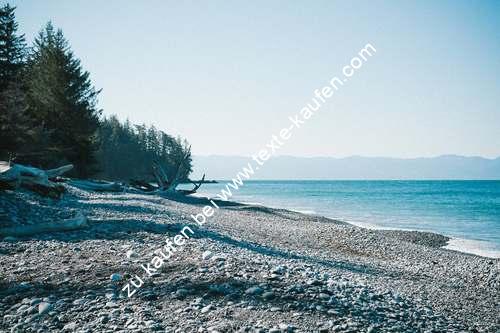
(466, 211)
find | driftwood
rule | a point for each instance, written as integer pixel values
(48, 182)
(77, 222)
(37, 180)
(167, 185)
(100, 186)
(53, 173)
(142, 185)
(195, 188)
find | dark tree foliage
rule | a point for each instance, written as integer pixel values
(12, 47)
(61, 98)
(127, 151)
(15, 126)
(14, 123)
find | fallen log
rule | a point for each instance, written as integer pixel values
(53, 173)
(75, 223)
(195, 188)
(169, 185)
(34, 179)
(142, 185)
(97, 186)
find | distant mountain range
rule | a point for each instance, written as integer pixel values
(355, 167)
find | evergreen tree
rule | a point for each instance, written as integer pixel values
(12, 47)
(136, 147)
(62, 98)
(15, 126)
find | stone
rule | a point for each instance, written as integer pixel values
(268, 295)
(115, 277)
(207, 308)
(70, 327)
(35, 301)
(207, 255)
(44, 307)
(324, 297)
(111, 296)
(181, 293)
(254, 291)
(131, 254)
(286, 328)
(278, 270)
(79, 301)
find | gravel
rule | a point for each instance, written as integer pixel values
(248, 269)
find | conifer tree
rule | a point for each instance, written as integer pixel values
(63, 99)
(12, 47)
(14, 124)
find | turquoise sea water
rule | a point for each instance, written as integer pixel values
(466, 210)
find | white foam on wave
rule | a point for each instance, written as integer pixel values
(480, 248)
(304, 211)
(366, 225)
(477, 247)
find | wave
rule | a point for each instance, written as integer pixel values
(480, 248)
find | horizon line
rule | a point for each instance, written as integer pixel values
(355, 156)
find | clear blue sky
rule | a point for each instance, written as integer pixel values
(227, 75)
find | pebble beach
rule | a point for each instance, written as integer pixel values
(248, 269)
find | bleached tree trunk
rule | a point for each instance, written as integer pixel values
(37, 180)
(95, 186)
(77, 222)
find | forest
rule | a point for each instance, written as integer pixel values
(49, 114)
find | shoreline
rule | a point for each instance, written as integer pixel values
(463, 245)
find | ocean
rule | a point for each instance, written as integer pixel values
(467, 211)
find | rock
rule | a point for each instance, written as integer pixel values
(181, 293)
(274, 276)
(278, 270)
(254, 291)
(207, 308)
(115, 277)
(111, 296)
(22, 308)
(314, 282)
(44, 307)
(111, 304)
(32, 309)
(70, 327)
(286, 328)
(17, 328)
(24, 285)
(131, 254)
(79, 301)
(268, 295)
(320, 308)
(324, 297)
(35, 301)
(207, 255)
